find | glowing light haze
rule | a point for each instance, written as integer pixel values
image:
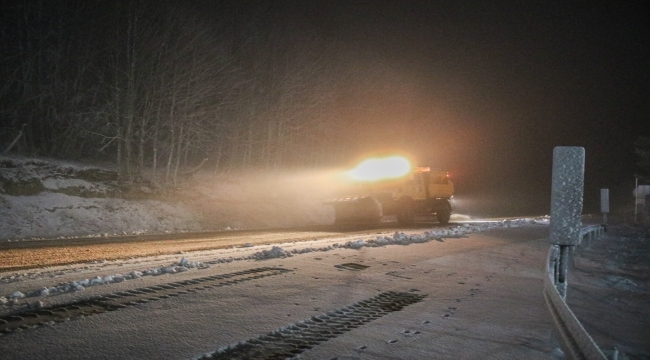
(381, 168)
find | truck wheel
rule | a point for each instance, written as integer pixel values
(444, 213)
(406, 211)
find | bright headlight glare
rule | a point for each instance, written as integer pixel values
(381, 168)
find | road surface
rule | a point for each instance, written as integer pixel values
(478, 296)
(35, 253)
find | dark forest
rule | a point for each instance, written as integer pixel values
(151, 84)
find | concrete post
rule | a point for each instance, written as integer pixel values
(566, 204)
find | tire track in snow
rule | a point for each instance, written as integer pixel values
(121, 299)
(294, 339)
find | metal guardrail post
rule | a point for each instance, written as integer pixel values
(566, 205)
(554, 263)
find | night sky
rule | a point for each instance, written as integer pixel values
(492, 87)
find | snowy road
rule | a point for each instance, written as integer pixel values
(448, 294)
(34, 253)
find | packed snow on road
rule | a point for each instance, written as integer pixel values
(25, 297)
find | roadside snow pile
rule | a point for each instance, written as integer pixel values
(17, 295)
(275, 252)
(12, 299)
(73, 286)
(310, 249)
(278, 252)
(191, 264)
(397, 239)
(182, 266)
(437, 234)
(358, 244)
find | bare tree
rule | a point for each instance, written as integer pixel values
(167, 85)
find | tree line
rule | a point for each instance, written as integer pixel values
(168, 87)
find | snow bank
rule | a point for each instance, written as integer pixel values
(56, 214)
(397, 239)
(438, 234)
(275, 252)
(47, 198)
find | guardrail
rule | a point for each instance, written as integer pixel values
(575, 341)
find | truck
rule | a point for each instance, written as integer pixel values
(418, 191)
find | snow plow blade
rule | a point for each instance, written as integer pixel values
(358, 209)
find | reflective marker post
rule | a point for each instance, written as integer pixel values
(636, 196)
(604, 204)
(566, 205)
